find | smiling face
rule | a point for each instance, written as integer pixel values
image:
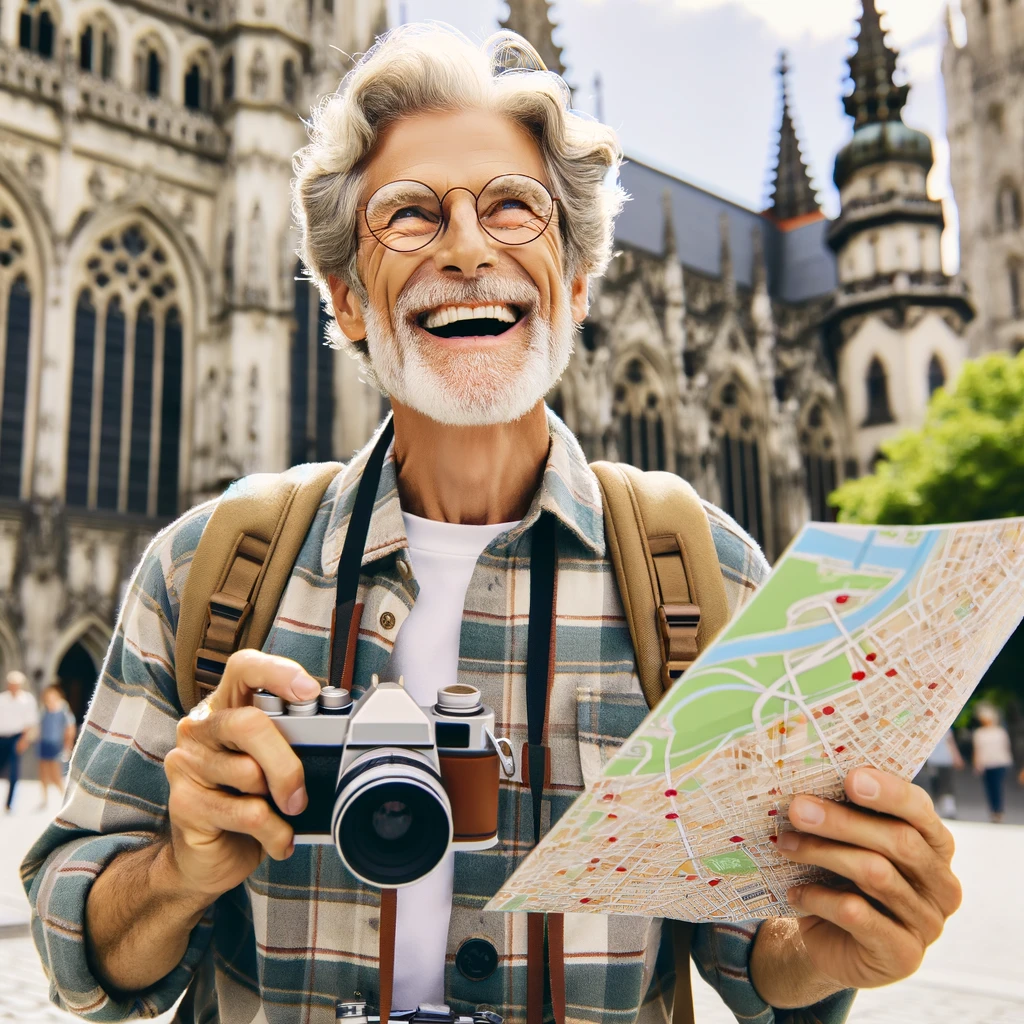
(469, 330)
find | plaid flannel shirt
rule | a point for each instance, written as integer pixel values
(300, 934)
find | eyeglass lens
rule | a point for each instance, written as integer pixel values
(407, 215)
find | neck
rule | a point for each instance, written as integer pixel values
(472, 475)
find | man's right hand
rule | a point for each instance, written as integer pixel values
(228, 757)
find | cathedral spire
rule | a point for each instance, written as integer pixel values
(875, 97)
(668, 242)
(532, 19)
(792, 195)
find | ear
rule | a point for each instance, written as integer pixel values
(348, 309)
(579, 297)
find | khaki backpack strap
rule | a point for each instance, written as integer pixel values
(682, 1000)
(667, 568)
(239, 571)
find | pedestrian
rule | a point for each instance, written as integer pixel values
(19, 717)
(56, 738)
(992, 758)
(944, 762)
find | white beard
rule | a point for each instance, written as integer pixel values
(468, 389)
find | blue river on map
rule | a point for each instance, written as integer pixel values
(907, 558)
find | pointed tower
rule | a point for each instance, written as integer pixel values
(896, 320)
(793, 199)
(532, 19)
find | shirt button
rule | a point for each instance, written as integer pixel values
(403, 567)
(476, 959)
(387, 620)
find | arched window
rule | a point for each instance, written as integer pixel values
(37, 27)
(877, 383)
(290, 82)
(227, 79)
(312, 377)
(16, 327)
(97, 47)
(936, 375)
(124, 426)
(818, 449)
(739, 458)
(639, 412)
(1008, 211)
(197, 82)
(1013, 281)
(150, 60)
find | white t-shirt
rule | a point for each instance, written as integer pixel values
(426, 653)
(17, 714)
(992, 747)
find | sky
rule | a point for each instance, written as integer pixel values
(691, 88)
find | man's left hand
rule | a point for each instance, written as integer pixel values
(897, 854)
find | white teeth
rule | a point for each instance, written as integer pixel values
(449, 314)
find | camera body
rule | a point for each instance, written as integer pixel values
(391, 784)
(356, 1012)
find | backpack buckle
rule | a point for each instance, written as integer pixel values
(228, 617)
(677, 624)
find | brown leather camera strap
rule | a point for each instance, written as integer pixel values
(386, 954)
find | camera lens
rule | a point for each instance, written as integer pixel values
(392, 820)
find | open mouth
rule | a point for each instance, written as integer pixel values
(470, 321)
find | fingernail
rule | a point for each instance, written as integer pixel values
(296, 802)
(305, 686)
(865, 786)
(794, 896)
(807, 811)
(788, 841)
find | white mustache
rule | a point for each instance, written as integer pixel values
(422, 296)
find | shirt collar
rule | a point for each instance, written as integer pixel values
(568, 491)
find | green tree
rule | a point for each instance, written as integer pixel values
(966, 462)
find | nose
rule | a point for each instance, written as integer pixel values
(464, 246)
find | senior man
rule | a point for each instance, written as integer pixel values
(452, 216)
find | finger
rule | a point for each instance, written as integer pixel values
(249, 731)
(873, 875)
(218, 812)
(886, 794)
(897, 841)
(895, 951)
(248, 671)
(211, 768)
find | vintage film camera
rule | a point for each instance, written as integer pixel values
(393, 785)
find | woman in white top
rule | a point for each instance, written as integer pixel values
(992, 758)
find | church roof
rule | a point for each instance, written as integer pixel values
(792, 193)
(800, 265)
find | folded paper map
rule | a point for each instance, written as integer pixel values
(860, 649)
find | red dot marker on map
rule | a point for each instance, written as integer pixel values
(595, 860)
(608, 796)
(931, 686)
(842, 598)
(782, 730)
(613, 839)
(871, 656)
(774, 839)
(613, 816)
(858, 675)
(714, 881)
(671, 792)
(736, 839)
(828, 710)
(691, 878)
(620, 869)
(839, 750)
(672, 816)
(584, 899)
(891, 673)
(772, 813)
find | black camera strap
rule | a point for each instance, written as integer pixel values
(540, 665)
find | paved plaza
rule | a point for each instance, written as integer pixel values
(972, 975)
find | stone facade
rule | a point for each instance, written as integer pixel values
(156, 340)
(983, 69)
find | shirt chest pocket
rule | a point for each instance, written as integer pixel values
(605, 719)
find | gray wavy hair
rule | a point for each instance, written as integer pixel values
(433, 67)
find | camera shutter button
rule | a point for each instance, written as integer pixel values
(476, 959)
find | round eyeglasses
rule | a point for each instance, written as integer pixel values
(407, 215)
